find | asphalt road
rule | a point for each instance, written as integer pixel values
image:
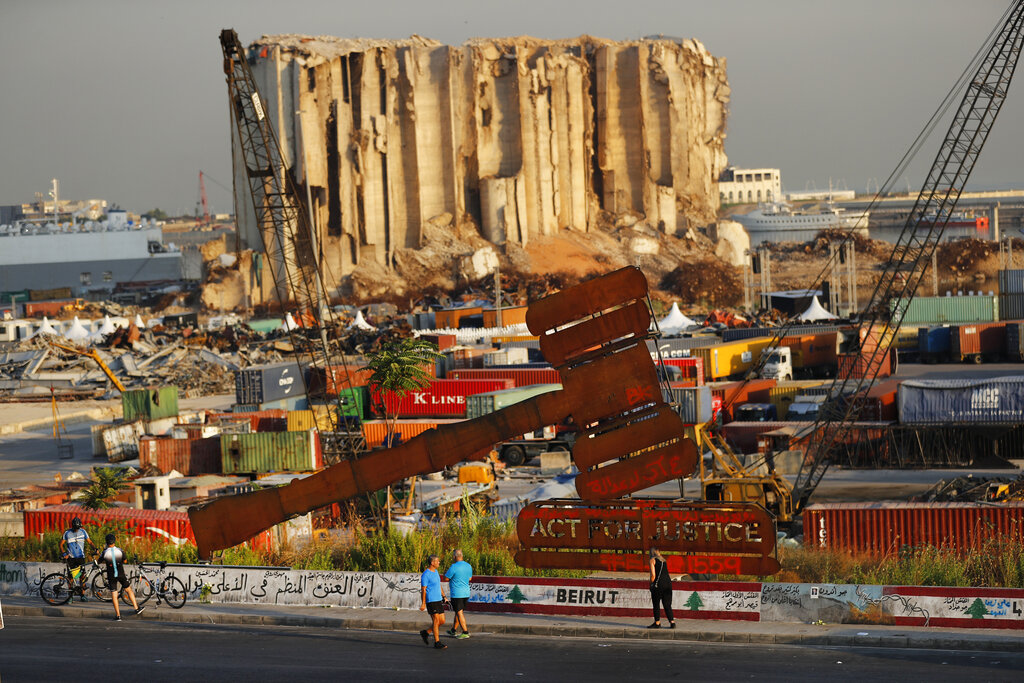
(46, 648)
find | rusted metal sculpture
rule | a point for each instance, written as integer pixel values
(594, 334)
(694, 537)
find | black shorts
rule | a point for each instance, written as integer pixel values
(113, 581)
(435, 607)
(74, 562)
(459, 604)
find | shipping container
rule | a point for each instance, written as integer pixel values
(520, 377)
(731, 360)
(521, 341)
(878, 403)
(188, 456)
(487, 403)
(783, 394)
(37, 309)
(375, 431)
(857, 366)
(693, 404)
(270, 452)
(510, 356)
(449, 318)
(1011, 282)
(441, 398)
(948, 309)
(743, 436)
(49, 294)
(300, 402)
(883, 529)
(1011, 306)
(933, 343)
(513, 315)
(330, 380)
(149, 404)
(121, 442)
(1015, 341)
(735, 394)
(977, 343)
(441, 341)
(318, 416)
(197, 431)
(264, 383)
(996, 401)
(680, 347)
(164, 525)
(258, 421)
(737, 333)
(813, 352)
(690, 368)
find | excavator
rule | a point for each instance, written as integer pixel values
(984, 92)
(91, 353)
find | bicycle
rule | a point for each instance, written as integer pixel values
(170, 589)
(58, 588)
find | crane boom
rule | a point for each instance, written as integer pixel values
(921, 234)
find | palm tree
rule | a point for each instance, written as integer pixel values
(399, 367)
(108, 483)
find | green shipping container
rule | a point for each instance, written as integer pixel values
(265, 326)
(949, 309)
(262, 452)
(150, 404)
(354, 402)
(485, 404)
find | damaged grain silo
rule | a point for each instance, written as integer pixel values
(512, 138)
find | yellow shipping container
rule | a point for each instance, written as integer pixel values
(516, 338)
(731, 358)
(317, 417)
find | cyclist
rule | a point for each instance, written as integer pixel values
(113, 557)
(72, 547)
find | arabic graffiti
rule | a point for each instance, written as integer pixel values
(906, 604)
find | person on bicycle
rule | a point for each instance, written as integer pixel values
(72, 547)
(113, 557)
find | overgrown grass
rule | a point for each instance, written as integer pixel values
(999, 562)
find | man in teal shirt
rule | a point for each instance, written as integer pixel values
(459, 575)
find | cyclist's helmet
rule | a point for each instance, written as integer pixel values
(76, 524)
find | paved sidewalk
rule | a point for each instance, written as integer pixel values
(483, 623)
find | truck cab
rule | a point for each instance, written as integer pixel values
(805, 408)
(778, 364)
(755, 412)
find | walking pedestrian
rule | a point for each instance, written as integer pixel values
(113, 557)
(458, 576)
(433, 601)
(661, 589)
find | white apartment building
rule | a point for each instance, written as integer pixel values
(749, 185)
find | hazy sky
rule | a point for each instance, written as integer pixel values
(125, 100)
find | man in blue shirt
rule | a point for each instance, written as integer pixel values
(459, 575)
(433, 600)
(72, 547)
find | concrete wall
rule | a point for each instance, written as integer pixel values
(731, 600)
(520, 137)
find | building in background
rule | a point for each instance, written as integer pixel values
(749, 185)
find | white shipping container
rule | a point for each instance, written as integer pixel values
(121, 442)
(507, 356)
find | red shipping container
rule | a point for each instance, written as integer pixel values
(468, 358)
(524, 377)
(187, 456)
(444, 397)
(856, 366)
(693, 368)
(164, 525)
(443, 341)
(735, 394)
(743, 436)
(330, 380)
(37, 309)
(273, 420)
(879, 402)
(977, 341)
(882, 529)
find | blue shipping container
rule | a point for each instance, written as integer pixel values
(933, 341)
(956, 401)
(267, 383)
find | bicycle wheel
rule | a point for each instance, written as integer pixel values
(100, 589)
(172, 591)
(143, 588)
(56, 589)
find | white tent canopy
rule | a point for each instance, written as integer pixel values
(361, 323)
(675, 321)
(815, 312)
(289, 323)
(76, 330)
(138, 322)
